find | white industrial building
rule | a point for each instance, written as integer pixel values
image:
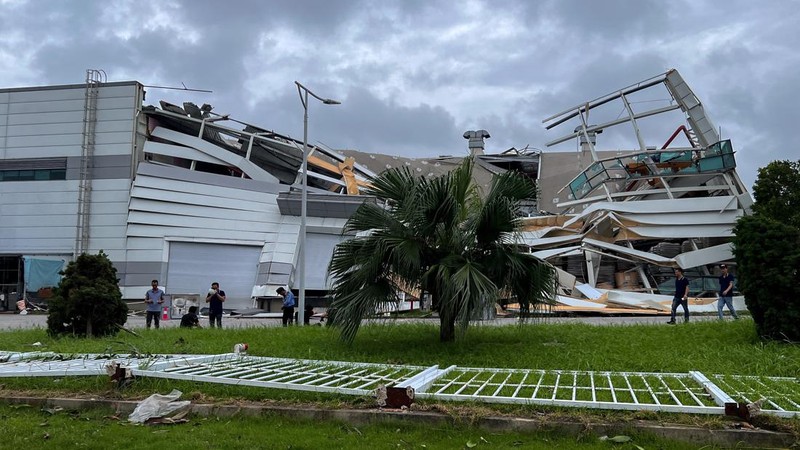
(166, 195)
(189, 197)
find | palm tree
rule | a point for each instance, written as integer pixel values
(440, 235)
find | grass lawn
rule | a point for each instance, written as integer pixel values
(26, 427)
(730, 347)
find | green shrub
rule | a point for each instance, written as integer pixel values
(87, 301)
(768, 254)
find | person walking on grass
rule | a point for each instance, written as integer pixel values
(725, 292)
(288, 305)
(215, 298)
(681, 296)
(154, 298)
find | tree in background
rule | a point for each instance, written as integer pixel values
(87, 301)
(767, 251)
(777, 192)
(439, 235)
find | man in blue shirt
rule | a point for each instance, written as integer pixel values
(288, 305)
(725, 292)
(681, 296)
(215, 298)
(154, 298)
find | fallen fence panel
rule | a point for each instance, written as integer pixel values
(691, 392)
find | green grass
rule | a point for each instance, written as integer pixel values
(711, 347)
(31, 428)
(730, 347)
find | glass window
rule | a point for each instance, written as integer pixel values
(38, 175)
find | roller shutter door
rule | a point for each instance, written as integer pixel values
(194, 266)
(320, 250)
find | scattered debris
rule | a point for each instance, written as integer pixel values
(619, 439)
(240, 349)
(157, 406)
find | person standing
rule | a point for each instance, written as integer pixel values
(288, 305)
(215, 298)
(681, 296)
(154, 298)
(725, 292)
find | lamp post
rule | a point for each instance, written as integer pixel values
(304, 92)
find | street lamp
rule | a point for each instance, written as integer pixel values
(301, 263)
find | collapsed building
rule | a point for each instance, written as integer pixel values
(185, 195)
(630, 217)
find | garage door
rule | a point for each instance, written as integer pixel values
(320, 251)
(194, 266)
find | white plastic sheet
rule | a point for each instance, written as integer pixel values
(158, 405)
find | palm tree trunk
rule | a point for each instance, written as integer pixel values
(447, 327)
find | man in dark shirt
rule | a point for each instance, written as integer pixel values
(190, 320)
(681, 296)
(215, 298)
(725, 292)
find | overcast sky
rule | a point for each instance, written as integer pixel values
(412, 76)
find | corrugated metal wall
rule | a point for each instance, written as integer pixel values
(40, 216)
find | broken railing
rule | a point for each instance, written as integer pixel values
(398, 385)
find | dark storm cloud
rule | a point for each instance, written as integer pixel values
(385, 127)
(414, 75)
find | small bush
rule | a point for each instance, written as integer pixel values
(768, 254)
(87, 301)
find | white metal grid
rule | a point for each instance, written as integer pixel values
(677, 392)
(281, 373)
(690, 392)
(48, 364)
(777, 396)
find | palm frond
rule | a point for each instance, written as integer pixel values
(393, 185)
(353, 307)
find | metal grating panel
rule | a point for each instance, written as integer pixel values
(605, 390)
(281, 373)
(48, 364)
(690, 392)
(777, 396)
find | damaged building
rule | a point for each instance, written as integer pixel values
(624, 222)
(182, 194)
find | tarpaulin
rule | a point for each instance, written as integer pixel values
(41, 273)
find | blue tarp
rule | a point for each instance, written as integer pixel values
(41, 273)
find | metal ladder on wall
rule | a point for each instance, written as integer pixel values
(94, 79)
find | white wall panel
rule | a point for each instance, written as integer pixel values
(50, 151)
(74, 139)
(170, 220)
(12, 245)
(263, 204)
(44, 129)
(41, 218)
(69, 93)
(199, 233)
(36, 209)
(125, 114)
(205, 189)
(137, 243)
(37, 232)
(69, 105)
(144, 254)
(202, 213)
